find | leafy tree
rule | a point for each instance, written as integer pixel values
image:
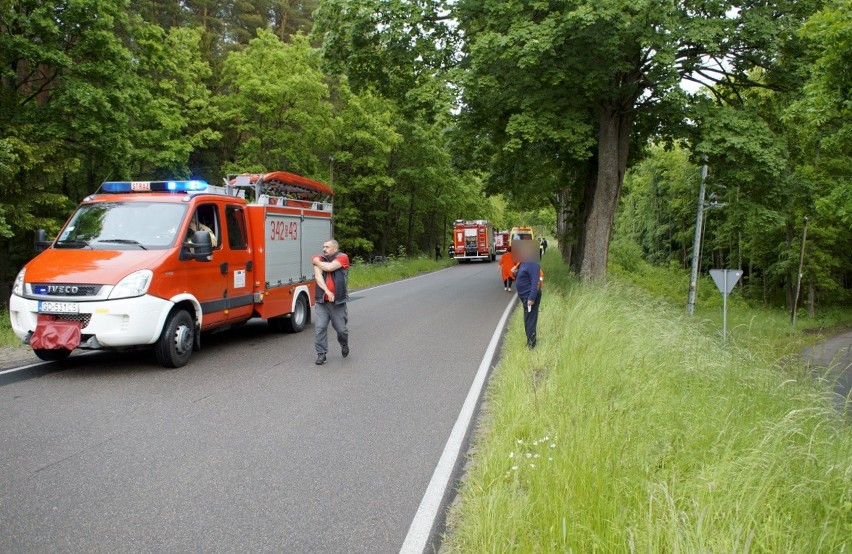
(174, 115)
(657, 209)
(575, 72)
(275, 107)
(63, 110)
(365, 136)
(400, 49)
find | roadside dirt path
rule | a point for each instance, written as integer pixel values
(832, 360)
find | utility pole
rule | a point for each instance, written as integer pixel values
(801, 262)
(696, 242)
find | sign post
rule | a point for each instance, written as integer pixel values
(725, 280)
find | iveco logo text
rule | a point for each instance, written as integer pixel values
(58, 289)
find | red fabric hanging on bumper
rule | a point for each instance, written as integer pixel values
(51, 334)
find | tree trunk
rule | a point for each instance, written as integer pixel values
(811, 295)
(613, 146)
(587, 183)
(789, 285)
(565, 223)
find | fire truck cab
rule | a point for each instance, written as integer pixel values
(158, 262)
(474, 240)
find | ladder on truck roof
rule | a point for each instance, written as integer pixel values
(281, 188)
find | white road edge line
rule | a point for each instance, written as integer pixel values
(427, 513)
(21, 368)
(40, 363)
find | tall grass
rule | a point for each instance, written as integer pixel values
(363, 274)
(630, 428)
(7, 337)
(745, 321)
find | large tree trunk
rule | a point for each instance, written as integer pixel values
(565, 218)
(613, 147)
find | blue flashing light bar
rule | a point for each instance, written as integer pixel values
(154, 186)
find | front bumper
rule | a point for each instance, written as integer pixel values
(106, 323)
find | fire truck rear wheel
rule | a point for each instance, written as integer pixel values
(174, 347)
(299, 318)
(53, 355)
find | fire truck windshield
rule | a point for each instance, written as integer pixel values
(123, 226)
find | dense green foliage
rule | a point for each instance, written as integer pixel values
(418, 113)
(110, 89)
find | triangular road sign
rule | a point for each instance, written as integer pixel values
(725, 279)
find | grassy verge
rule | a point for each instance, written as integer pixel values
(362, 275)
(7, 337)
(744, 322)
(631, 428)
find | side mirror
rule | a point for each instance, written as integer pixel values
(41, 242)
(199, 247)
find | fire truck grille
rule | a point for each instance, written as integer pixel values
(82, 318)
(53, 289)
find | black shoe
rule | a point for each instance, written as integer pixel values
(320, 359)
(345, 350)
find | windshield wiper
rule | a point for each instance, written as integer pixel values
(126, 241)
(76, 243)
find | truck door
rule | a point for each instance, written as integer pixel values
(237, 267)
(205, 279)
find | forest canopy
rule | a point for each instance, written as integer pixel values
(420, 113)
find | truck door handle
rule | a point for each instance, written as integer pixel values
(223, 267)
(249, 265)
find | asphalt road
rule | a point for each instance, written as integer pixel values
(250, 447)
(832, 362)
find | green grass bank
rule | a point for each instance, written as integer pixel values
(634, 428)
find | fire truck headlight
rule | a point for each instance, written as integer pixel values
(135, 284)
(18, 286)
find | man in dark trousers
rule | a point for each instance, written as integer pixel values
(330, 273)
(528, 281)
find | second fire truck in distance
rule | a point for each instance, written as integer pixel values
(474, 240)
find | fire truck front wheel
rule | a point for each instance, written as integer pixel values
(174, 346)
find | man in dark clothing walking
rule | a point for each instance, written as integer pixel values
(528, 281)
(331, 273)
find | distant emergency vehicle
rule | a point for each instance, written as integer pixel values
(474, 240)
(501, 241)
(521, 233)
(158, 262)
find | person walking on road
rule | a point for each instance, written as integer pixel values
(528, 280)
(331, 274)
(506, 264)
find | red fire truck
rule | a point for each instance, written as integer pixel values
(501, 241)
(158, 262)
(474, 240)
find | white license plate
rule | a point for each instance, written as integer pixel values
(58, 307)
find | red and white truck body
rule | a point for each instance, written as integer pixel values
(474, 240)
(159, 262)
(501, 241)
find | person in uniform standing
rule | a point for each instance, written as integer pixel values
(528, 280)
